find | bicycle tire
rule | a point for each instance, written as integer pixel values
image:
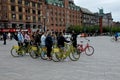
(15, 52)
(29, 49)
(112, 39)
(33, 54)
(118, 39)
(75, 55)
(56, 56)
(43, 55)
(89, 51)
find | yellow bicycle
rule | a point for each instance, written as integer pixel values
(38, 51)
(60, 54)
(22, 50)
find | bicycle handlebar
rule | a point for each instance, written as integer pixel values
(85, 39)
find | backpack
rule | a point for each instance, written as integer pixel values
(38, 38)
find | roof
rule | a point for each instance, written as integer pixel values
(55, 2)
(85, 10)
(61, 4)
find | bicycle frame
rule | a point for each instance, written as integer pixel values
(37, 52)
(17, 51)
(63, 53)
(89, 50)
(80, 46)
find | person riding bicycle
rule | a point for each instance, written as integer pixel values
(20, 38)
(37, 38)
(27, 39)
(61, 40)
(116, 36)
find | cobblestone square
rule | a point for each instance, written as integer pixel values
(102, 65)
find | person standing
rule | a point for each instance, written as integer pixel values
(48, 44)
(4, 38)
(74, 39)
(42, 45)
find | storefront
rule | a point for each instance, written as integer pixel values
(11, 30)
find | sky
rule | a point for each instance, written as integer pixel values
(109, 6)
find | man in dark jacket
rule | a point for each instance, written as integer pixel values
(48, 44)
(4, 38)
(74, 39)
(61, 40)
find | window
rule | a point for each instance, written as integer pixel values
(27, 3)
(20, 9)
(38, 5)
(38, 11)
(27, 17)
(13, 16)
(33, 11)
(19, 1)
(34, 19)
(14, 25)
(12, 1)
(34, 26)
(27, 10)
(20, 16)
(33, 4)
(39, 18)
(12, 8)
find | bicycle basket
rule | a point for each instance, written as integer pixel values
(34, 48)
(56, 49)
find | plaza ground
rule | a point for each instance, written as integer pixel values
(104, 64)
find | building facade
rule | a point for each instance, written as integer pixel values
(88, 18)
(54, 15)
(20, 13)
(60, 14)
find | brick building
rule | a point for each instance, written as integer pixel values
(55, 15)
(60, 14)
(20, 13)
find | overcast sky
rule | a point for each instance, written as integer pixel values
(112, 6)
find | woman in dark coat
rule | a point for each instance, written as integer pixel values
(48, 44)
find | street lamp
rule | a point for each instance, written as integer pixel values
(44, 18)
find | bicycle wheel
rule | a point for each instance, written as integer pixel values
(56, 56)
(112, 39)
(43, 55)
(75, 55)
(33, 54)
(16, 53)
(89, 51)
(118, 39)
(29, 49)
